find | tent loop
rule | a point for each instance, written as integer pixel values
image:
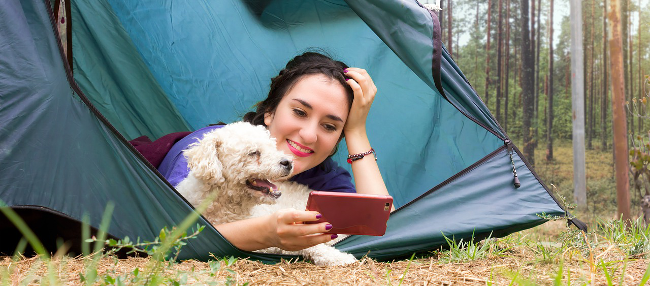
(514, 170)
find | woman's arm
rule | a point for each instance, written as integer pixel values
(283, 229)
(366, 173)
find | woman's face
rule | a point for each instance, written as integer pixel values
(309, 119)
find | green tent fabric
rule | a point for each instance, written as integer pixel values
(151, 68)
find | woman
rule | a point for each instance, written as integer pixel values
(312, 104)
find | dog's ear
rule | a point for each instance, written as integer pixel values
(203, 159)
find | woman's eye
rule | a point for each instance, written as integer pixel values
(299, 112)
(329, 127)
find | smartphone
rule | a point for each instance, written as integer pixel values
(351, 213)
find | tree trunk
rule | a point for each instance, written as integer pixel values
(527, 81)
(618, 110)
(537, 61)
(577, 104)
(532, 50)
(624, 36)
(487, 56)
(476, 51)
(630, 64)
(605, 91)
(549, 117)
(449, 29)
(442, 19)
(590, 124)
(499, 60)
(640, 82)
(507, 66)
(567, 81)
(517, 97)
(645, 208)
(532, 26)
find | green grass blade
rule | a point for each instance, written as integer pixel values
(646, 275)
(20, 248)
(406, 270)
(85, 235)
(609, 279)
(620, 280)
(91, 269)
(24, 229)
(558, 277)
(103, 226)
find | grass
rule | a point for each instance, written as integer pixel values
(550, 254)
(601, 186)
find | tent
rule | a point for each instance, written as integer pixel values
(152, 68)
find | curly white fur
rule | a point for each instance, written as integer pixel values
(225, 159)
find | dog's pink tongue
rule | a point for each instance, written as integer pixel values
(265, 183)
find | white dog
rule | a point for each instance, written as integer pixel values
(239, 161)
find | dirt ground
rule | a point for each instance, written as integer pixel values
(520, 264)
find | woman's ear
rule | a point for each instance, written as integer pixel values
(268, 118)
(203, 159)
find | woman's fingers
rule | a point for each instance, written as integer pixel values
(307, 241)
(363, 81)
(291, 216)
(293, 234)
(364, 94)
(356, 88)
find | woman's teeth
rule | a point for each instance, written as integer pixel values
(294, 145)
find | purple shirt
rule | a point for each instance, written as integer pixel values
(328, 176)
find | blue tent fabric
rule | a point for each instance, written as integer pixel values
(229, 69)
(152, 68)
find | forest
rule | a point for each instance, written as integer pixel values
(517, 56)
(494, 63)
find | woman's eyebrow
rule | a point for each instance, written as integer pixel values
(307, 105)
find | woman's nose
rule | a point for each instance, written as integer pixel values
(309, 133)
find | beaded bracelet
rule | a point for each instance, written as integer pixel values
(354, 157)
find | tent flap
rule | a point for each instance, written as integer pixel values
(152, 68)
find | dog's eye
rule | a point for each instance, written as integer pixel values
(254, 154)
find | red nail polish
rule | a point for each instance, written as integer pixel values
(334, 236)
(328, 226)
(345, 70)
(318, 216)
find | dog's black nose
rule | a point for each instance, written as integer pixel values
(288, 165)
(285, 162)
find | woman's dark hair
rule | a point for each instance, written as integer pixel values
(309, 63)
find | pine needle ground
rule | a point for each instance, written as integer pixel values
(550, 254)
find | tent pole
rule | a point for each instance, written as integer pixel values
(68, 32)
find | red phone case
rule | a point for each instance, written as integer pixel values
(351, 213)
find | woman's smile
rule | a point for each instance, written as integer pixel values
(308, 121)
(299, 150)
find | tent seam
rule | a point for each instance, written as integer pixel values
(72, 83)
(437, 77)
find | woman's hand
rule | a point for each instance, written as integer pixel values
(367, 177)
(364, 94)
(287, 230)
(284, 229)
